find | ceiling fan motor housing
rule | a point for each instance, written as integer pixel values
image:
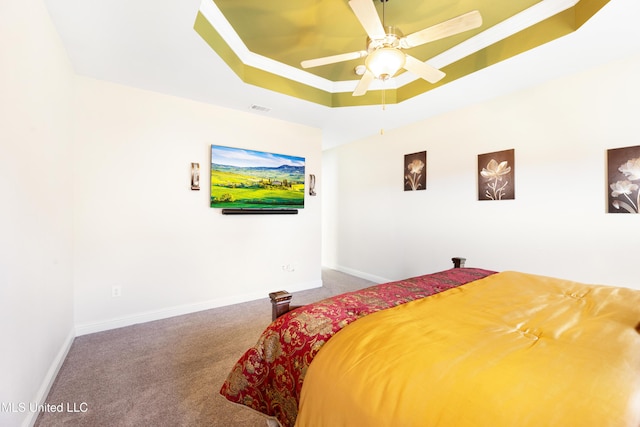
(391, 39)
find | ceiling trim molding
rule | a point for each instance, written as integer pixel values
(255, 76)
(545, 21)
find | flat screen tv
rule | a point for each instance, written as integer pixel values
(249, 179)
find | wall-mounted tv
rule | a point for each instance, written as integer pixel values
(249, 179)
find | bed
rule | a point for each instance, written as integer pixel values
(460, 347)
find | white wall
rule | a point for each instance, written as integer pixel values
(557, 223)
(139, 226)
(36, 295)
(94, 183)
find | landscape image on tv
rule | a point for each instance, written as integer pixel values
(248, 179)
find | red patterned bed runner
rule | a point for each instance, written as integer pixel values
(269, 376)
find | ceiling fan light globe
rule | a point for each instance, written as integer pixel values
(385, 62)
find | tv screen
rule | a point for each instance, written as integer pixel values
(248, 179)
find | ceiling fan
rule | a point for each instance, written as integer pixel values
(384, 56)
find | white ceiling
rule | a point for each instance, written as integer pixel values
(152, 45)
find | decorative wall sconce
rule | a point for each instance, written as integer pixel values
(195, 176)
(312, 185)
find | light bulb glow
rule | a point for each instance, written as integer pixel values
(385, 62)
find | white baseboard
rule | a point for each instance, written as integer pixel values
(49, 378)
(149, 316)
(362, 275)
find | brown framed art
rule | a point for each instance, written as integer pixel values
(623, 180)
(496, 172)
(415, 171)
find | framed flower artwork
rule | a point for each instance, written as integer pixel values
(623, 180)
(415, 171)
(496, 175)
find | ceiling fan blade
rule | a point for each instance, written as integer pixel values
(419, 68)
(309, 63)
(363, 84)
(367, 14)
(456, 25)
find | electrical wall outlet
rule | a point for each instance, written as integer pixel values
(116, 291)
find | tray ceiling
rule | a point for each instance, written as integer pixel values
(151, 45)
(264, 42)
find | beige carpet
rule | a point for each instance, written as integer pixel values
(168, 372)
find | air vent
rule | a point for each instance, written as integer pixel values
(259, 108)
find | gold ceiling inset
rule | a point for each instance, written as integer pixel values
(264, 42)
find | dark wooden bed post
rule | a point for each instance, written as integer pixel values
(458, 262)
(281, 300)
(279, 303)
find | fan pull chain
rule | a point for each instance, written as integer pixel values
(384, 107)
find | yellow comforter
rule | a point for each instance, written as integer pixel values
(509, 350)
